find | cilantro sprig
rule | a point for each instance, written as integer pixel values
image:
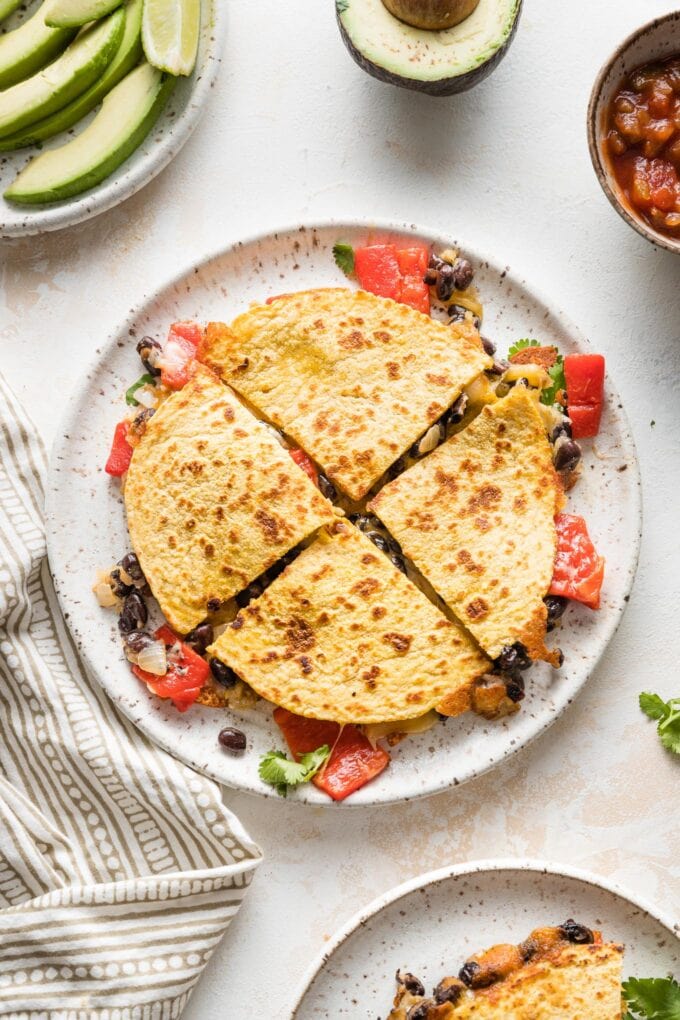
(667, 715)
(344, 257)
(652, 999)
(556, 371)
(280, 771)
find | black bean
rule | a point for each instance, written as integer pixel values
(514, 686)
(394, 470)
(378, 540)
(499, 366)
(577, 933)
(513, 657)
(410, 982)
(556, 606)
(435, 262)
(149, 351)
(468, 972)
(421, 1010)
(222, 673)
(567, 455)
(522, 382)
(130, 565)
(362, 521)
(489, 346)
(445, 284)
(448, 990)
(560, 657)
(398, 561)
(456, 412)
(463, 273)
(326, 487)
(253, 591)
(430, 277)
(119, 588)
(138, 640)
(233, 740)
(563, 429)
(476, 322)
(134, 614)
(140, 421)
(456, 313)
(200, 637)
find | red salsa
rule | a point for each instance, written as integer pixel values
(643, 140)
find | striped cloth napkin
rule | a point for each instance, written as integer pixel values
(120, 868)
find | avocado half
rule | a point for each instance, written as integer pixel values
(440, 63)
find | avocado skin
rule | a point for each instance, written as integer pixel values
(442, 86)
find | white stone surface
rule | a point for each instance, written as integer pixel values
(295, 131)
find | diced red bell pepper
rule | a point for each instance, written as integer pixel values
(303, 461)
(179, 354)
(584, 375)
(353, 761)
(396, 273)
(187, 672)
(579, 571)
(121, 451)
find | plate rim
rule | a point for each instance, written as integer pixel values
(193, 266)
(478, 866)
(123, 184)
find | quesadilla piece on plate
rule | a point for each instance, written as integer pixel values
(213, 500)
(559, 980)
(343, 635)
(477, 517)
(353, 378)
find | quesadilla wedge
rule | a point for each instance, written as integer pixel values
(547, 977)
(343, 635)
(353, 378)
(212, 500)
(477, 517)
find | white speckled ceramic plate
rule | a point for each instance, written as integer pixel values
(177, 121)
(87, 530)
(431, 924)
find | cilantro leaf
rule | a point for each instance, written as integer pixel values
(653, 706)
(341, 6)
(280, 771)
(344, 257)
(653, 998)
(519, 345)
(667, 715)
(130, 393)
(556, 373)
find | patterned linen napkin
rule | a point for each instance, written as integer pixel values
(120, 869)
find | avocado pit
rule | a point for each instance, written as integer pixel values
(435, 15)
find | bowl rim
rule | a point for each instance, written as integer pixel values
(596, 156)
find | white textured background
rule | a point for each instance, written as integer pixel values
(295, 131)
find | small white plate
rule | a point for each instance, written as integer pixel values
(172, 129)
(431, 925)
(87, 530)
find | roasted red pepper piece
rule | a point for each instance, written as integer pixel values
(378, 270)
(413, 266)
(121, 451)
(579, 571)
(179, 354)
(353, 761)
(303, 461)
(187, 672)
(584, 375)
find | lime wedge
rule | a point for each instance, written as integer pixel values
(170, 34)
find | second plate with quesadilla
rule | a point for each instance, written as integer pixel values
(263, 659)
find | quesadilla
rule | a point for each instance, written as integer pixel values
(353, 378)
(477, 517)
(545, 978)
(213, 500)
(343, 635)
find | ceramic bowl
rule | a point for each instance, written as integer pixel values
(654, 41)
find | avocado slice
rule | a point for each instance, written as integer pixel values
(7, 6)
(127, 115)
(64, 79)
(437, 62)
(64, 13)
(127, 56)
(28, 48)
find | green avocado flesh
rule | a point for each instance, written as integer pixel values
(28, 48)
(127, 56)
(64, 13)
(400, 53)
(60, 82)
(7, 6)
(127, 115)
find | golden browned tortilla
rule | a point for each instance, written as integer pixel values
(213, 500)
(564, 982)
(341, 634)
(477, 518)
(353, 378)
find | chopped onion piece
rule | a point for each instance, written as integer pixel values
(147, 396)
(153, 659)
(105, 596)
